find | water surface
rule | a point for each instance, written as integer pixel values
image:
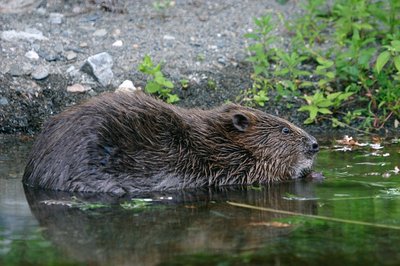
(199, 227)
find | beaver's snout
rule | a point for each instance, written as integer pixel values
(311, 145)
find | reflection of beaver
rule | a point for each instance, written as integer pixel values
(129, 142)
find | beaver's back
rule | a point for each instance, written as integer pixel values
(77, 150)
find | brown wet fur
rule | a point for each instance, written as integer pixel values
(131, 142)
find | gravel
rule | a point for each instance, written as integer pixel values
(49, 52)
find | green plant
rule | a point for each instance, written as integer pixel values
(338, 48)
(261, 47)
(184, 83)
(161, 5)
(319, 103)
(158, 84)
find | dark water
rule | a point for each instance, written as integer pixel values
(361, 191)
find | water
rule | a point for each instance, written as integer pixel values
(200, 227)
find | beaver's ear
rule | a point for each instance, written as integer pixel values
(241, 122)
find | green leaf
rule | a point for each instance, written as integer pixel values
(252, 36)
(172, 98)
(309, 121)
(396, 45)
(383, 58)
(152, 87)
(324, 111)
(396, 61)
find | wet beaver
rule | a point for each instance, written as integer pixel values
(131, 142)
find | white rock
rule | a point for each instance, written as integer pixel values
(100, 33)
(29, 35)
(32, 55)
(118, 43)
(77, 88)
(168, 38)
(126, 86)
(56, 18)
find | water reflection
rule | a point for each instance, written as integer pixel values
(189, 222)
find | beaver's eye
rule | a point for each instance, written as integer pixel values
(285, 130)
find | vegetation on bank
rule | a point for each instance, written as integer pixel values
(343, 59)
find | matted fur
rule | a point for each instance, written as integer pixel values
(130, 142)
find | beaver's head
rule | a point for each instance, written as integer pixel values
(279, 149)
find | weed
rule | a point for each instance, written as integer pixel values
(158, 84)
(350, 48)
(184, 83)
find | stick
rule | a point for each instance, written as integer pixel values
(331, 219)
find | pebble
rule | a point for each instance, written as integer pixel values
(169, 38)
(56, 18)
(118, 43)
(16, 69)
(49, 56)
(70, 55)
(99, 67)
(78, 88)
(100, 33)
(29, 35)
(40, 72)
(32, 55)
(126, 86)
(3, 101)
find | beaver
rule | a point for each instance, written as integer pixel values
(131, 142)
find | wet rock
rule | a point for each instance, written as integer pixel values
(40, 72)
(77, 88)
(99, 67)
(3, 101)
(32, 55)
(56, 18)
(28, 35)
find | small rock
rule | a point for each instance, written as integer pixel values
(40, 72)
(70, 55)
(29, 35)
(32, 55)
(118, 43)
(3, 101)
(126, 86)
(83, 44)
(50, 56)
(56, 18)
(116, 32)
(222, 60)
(169, 38)
(77, 88)
(100, 33)
(99, 66)
(16, 69)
